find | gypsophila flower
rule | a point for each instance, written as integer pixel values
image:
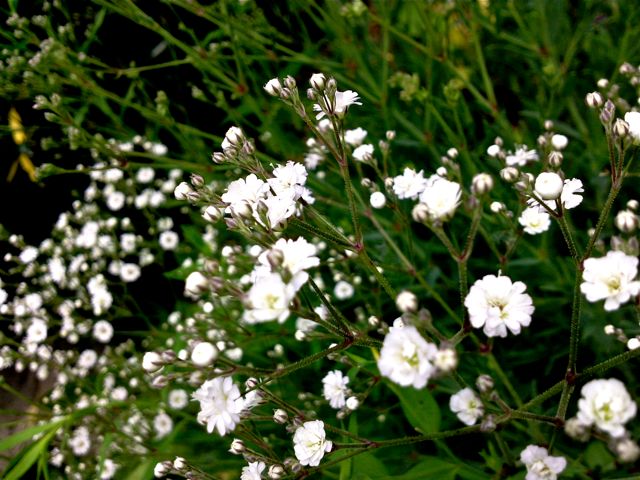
(521, 157)
(253, 471)
(610, 278)
(102, 331)
(441, 198)
(355, 137)
(377, 200)
(559, 142)
(633, 119)
(406, 358)
(410, 184)
(334, 388)
(220, 404)
(168, 240)
(343, 290)
(268, 299)
(339, 105)
(540, 465)
(548, 185)
(204, 354)
(363, 153)
(162, 424)
(607, 405)
(178, 399)
(310, 443)
(467, 406)
(534, 220)
(295, 256)
(498, 304)
(570, 197)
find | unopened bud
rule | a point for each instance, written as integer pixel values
(290, 82)
(390, 135)
(212, 214)
(318, 81)
(484, 383)
(237, 447)
(276, 472)
(509, 174)
(452, 153)
(162, 468)
(280, 416)
(251, 383)
(633, 205)
(602, 83)
(488, 424)
(482, 183)
(152, 362)
(407, 301)
(204, 354)
(218, 157)
(420, 213)
(607, 112)
(620, 128)
(160, 381)
(626, 221)
(193, 197)
(182, 190)
(555, 159)
(273, 87)
(593, 99)
(626, 68)
(197, 180)
(548, 124)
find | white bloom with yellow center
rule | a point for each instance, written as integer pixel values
(467, 406)
(606, 404)
(610, 278)
(310, 443)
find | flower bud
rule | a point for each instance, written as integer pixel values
(484, 383)
(280, 416)
(559, 142)
(446, 360)
(195, 284)
(168, 356)
(620, 128)
(493, 150)
(290, 82)
(234, 137)
(482, 183)
(160, 381)
(251, 383)
(548, 124)
(607, 112)
(407, 301)
(193, 197)
(152, 362)
(179, 463)
(633, 343)
(593, 99)
(204, 354)
(549, 185)
(626, 221)
(377, 200)
(509, 174)
(318, 81)
(237, 447)
(452, 153)
(273, 87)
(390, 135)
(626, 68)
(162, 468)
(420, 213)
(488, 424)
(197, 180)
(212, 214)
(633, 205)
(627, 450)
(577, 430)
(276, 472)
(555, 159)
(181, 191)
(218, 157)
(602, 83)
(497, 207)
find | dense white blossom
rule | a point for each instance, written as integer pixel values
(406, 358)
(540, 465)
(441, 198)
(534, 220)
(220, 404)
(467, 406)
(310, 443)
(607, 405)
(410, 184)
(521, 157)
(268, 299)
(498, 304)
(610, 278)
(334, 388)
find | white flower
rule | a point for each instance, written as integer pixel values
(220, 404)
(406, 357)
(87, 359)
(493, 150)
(37, 331)
(633, 119)
(253, 471)
(289, 180)
(178, 399)
(233, 139)
(80, 442)
(28, 255)
(168, 240)
(607, 405)
(129, 272)
(181, 191)
(363, 153)
(294, 256)
(115, 200)
(310, 444)
(441, 198)
(268, 299)
(548, 185)
(279, 209)
(355, 137)
(377, 200)
(335, 388)
(243, 194)
(559, 142)
(534, 220)
(343, 290)
(204, 354)
(410, 184)
(611, 278)
(521, 157)
(540, 465)
(162, 424)
(407, 301)
(195, 284)
(467, 406)
(152, 362)
(569, 196)
(341, 102)
(102, 331)
(145, 175)
(498, 304)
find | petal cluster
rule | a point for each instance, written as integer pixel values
(610, 278)
(220, 404)
(540, 465)
(607, 405)
(310, 443)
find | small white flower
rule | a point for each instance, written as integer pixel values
(195, 284)
(233, 139)
(273, 87)
(540, 465)
(548, 185)
(310, 443)
(168, 240)
(493, 150)
(253, 471)
(610, 278)
(405, 357)
(204, 354)
(178, 399)
(606, 404)
(410, 184)
(335, 388)
(268, 299)
(220, 404)
(377, 200)
(343, 290)
(569, 196)
(129, 272)
(152, 362)
(181, 191)
(102, 331)
(37, 331)
(162, 424)
(521, 157)
(498, 304)
(633, 119)
(467, 406)
(534, 220)
(441, 198)
(355, 137)
(559, 141)
(407, 301)
(363, 153)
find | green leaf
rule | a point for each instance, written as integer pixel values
(419, 407)
(430, 467)
(368, 466)
(597, 455)
(30, 456)
(27, 434)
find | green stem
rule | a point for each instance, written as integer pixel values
(604, 214)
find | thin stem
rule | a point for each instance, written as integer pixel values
(604, 214)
